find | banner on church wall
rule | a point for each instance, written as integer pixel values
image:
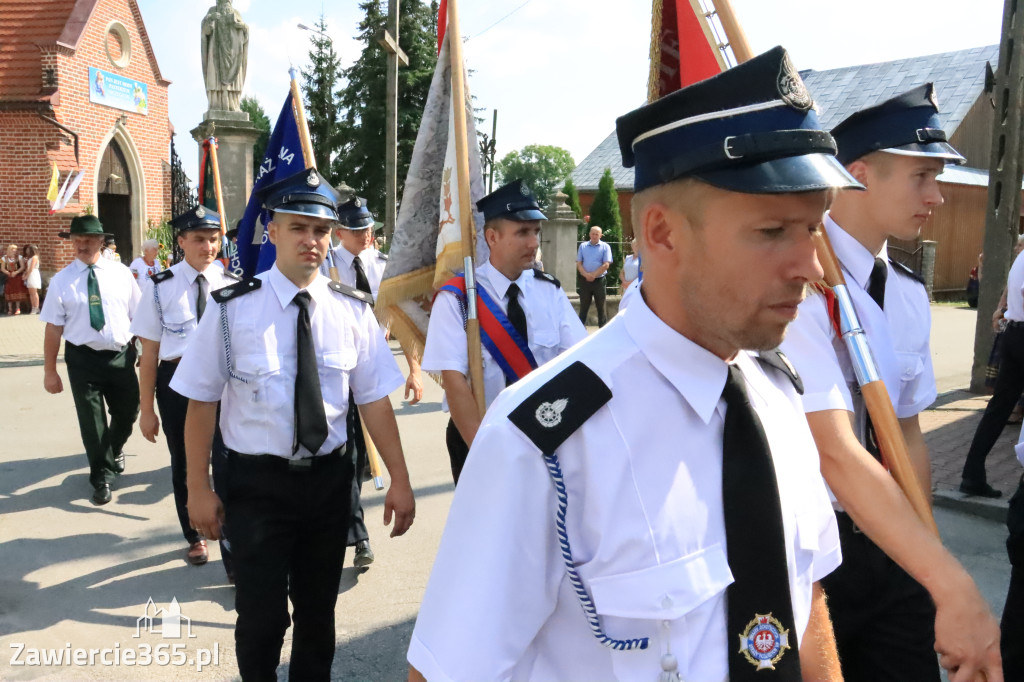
(118, 92)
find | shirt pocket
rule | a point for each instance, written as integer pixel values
(177, 313)
(260, 371)
(684, 594)
(335, 366)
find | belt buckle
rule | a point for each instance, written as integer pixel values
(301, 464)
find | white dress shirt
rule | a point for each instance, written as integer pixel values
(644, 482)
(899, 337)
(67, 304)
(178, 297)
(142, 270)
(258, 417)
(1015, 291)
(373, 264)
(551, 324)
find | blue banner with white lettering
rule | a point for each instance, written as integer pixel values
(255, 253)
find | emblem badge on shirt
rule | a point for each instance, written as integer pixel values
(764, 641)
(549, 415)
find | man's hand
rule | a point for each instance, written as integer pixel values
(414, 385)
(52, 382)
(402, 503)
(149, 423)
(967, 635)
(205, 512)
(997, 317)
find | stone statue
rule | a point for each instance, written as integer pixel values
(225, 47)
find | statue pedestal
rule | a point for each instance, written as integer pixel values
(558, 243)
(236, 136)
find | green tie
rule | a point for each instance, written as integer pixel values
(95, 302)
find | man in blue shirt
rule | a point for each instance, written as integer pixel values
(593, 260)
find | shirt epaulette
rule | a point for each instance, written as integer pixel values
(561, 406)
(904, 270)
(778, 360)
(231, 275)
(245, 286)
(351, 291)
(540, 274)
(161, 276)
(382, 256)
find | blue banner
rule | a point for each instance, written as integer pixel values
(255, 253)
(119, 92)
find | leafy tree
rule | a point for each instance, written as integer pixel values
(361, 155)
(540, 166)
(604, 213)
(318, 87)
(258, 116)
(569, 190)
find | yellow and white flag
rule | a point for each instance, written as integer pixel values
(51, 194)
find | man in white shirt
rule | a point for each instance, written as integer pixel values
(90, 303)
(537, 320)
(146, 265)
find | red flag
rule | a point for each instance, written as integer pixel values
(684, 50)
(442, 23)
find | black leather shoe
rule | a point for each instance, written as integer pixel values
(119, 462)
(364, 555)
(101, 495)
(979, 489)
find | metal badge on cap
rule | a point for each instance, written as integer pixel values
(313, 180)
(200, 212)
(792, 90)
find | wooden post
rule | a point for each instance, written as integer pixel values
(212, 142)
(300, 120)
(389, 41)
(733, 31)
(1004, 178)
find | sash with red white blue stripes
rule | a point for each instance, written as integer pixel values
(508, 348)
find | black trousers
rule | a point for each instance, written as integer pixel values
(457, 450)
(884, 620)
(101, 382)
(288, 528)
(355, 448)
(593, 290)
(1007, 391)
(1012, 643)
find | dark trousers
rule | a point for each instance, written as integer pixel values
(103, 381)
(593, 290)
(457, 450)
(173, 407)
(288, 528)
(884, 620)
(1012, 643)
(1007, 391)
(355, 448)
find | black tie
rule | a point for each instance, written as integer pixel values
(515, 311)
(758, 600)
(310, 417)
(200, 296)
(362, 283)
(876, 284)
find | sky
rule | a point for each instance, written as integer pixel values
(557, 71)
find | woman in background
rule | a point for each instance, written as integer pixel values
(33, 280)
(14, 291)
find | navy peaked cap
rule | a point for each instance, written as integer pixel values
(354, 215)
(198, 218)
(513, 201)
(304, 193)
(906, 124)
(752, 129)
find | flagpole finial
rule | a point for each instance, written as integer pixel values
(293, 72)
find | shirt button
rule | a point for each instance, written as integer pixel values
(667, 602)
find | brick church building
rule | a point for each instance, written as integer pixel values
(80, 88)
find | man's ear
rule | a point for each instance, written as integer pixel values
(859, 170)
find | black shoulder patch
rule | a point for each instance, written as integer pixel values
(162, 276)
(778, 360)
(231, 275)
(561, 406)
(245, 286)
(904, 270)
(382, 256)
(540, 274)
(351, 291)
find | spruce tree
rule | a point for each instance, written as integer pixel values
(318, 86)
(604, 213)
(259, 118)
(573, 200)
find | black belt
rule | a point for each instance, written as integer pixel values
(846, 523)
(89, 349)
(283, 464)
(172, 361)
(1014, 323)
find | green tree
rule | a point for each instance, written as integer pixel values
(540, 166)
(569, 190)
(319, 86)
(604, 213)
(258, 116)
(361, 156)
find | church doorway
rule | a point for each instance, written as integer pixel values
(114, 199)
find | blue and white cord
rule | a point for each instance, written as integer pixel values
(227, 344)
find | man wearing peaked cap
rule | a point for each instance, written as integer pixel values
(895, 149)
(533, 319)
(172, 303)
(297, 348)
(90, 303)
(661, 474)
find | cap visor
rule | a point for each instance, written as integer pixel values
(528, 214)
(790, 175)
(311, 210)
(360, 224)
(935, 150)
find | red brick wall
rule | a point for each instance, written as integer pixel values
(28, 145)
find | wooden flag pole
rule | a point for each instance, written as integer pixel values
(475, 350)
(733, 31)
(212, 144)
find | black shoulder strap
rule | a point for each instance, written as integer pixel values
(904, 270)
(162, 276)
(540, 274)
(778, 360)
(351, 291)
(561, 406)
(227, 293)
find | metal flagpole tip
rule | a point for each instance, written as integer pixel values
(292, 72)
(378, 483)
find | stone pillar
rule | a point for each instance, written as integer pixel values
(928, 265)
(558, 243)
(236, 136)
